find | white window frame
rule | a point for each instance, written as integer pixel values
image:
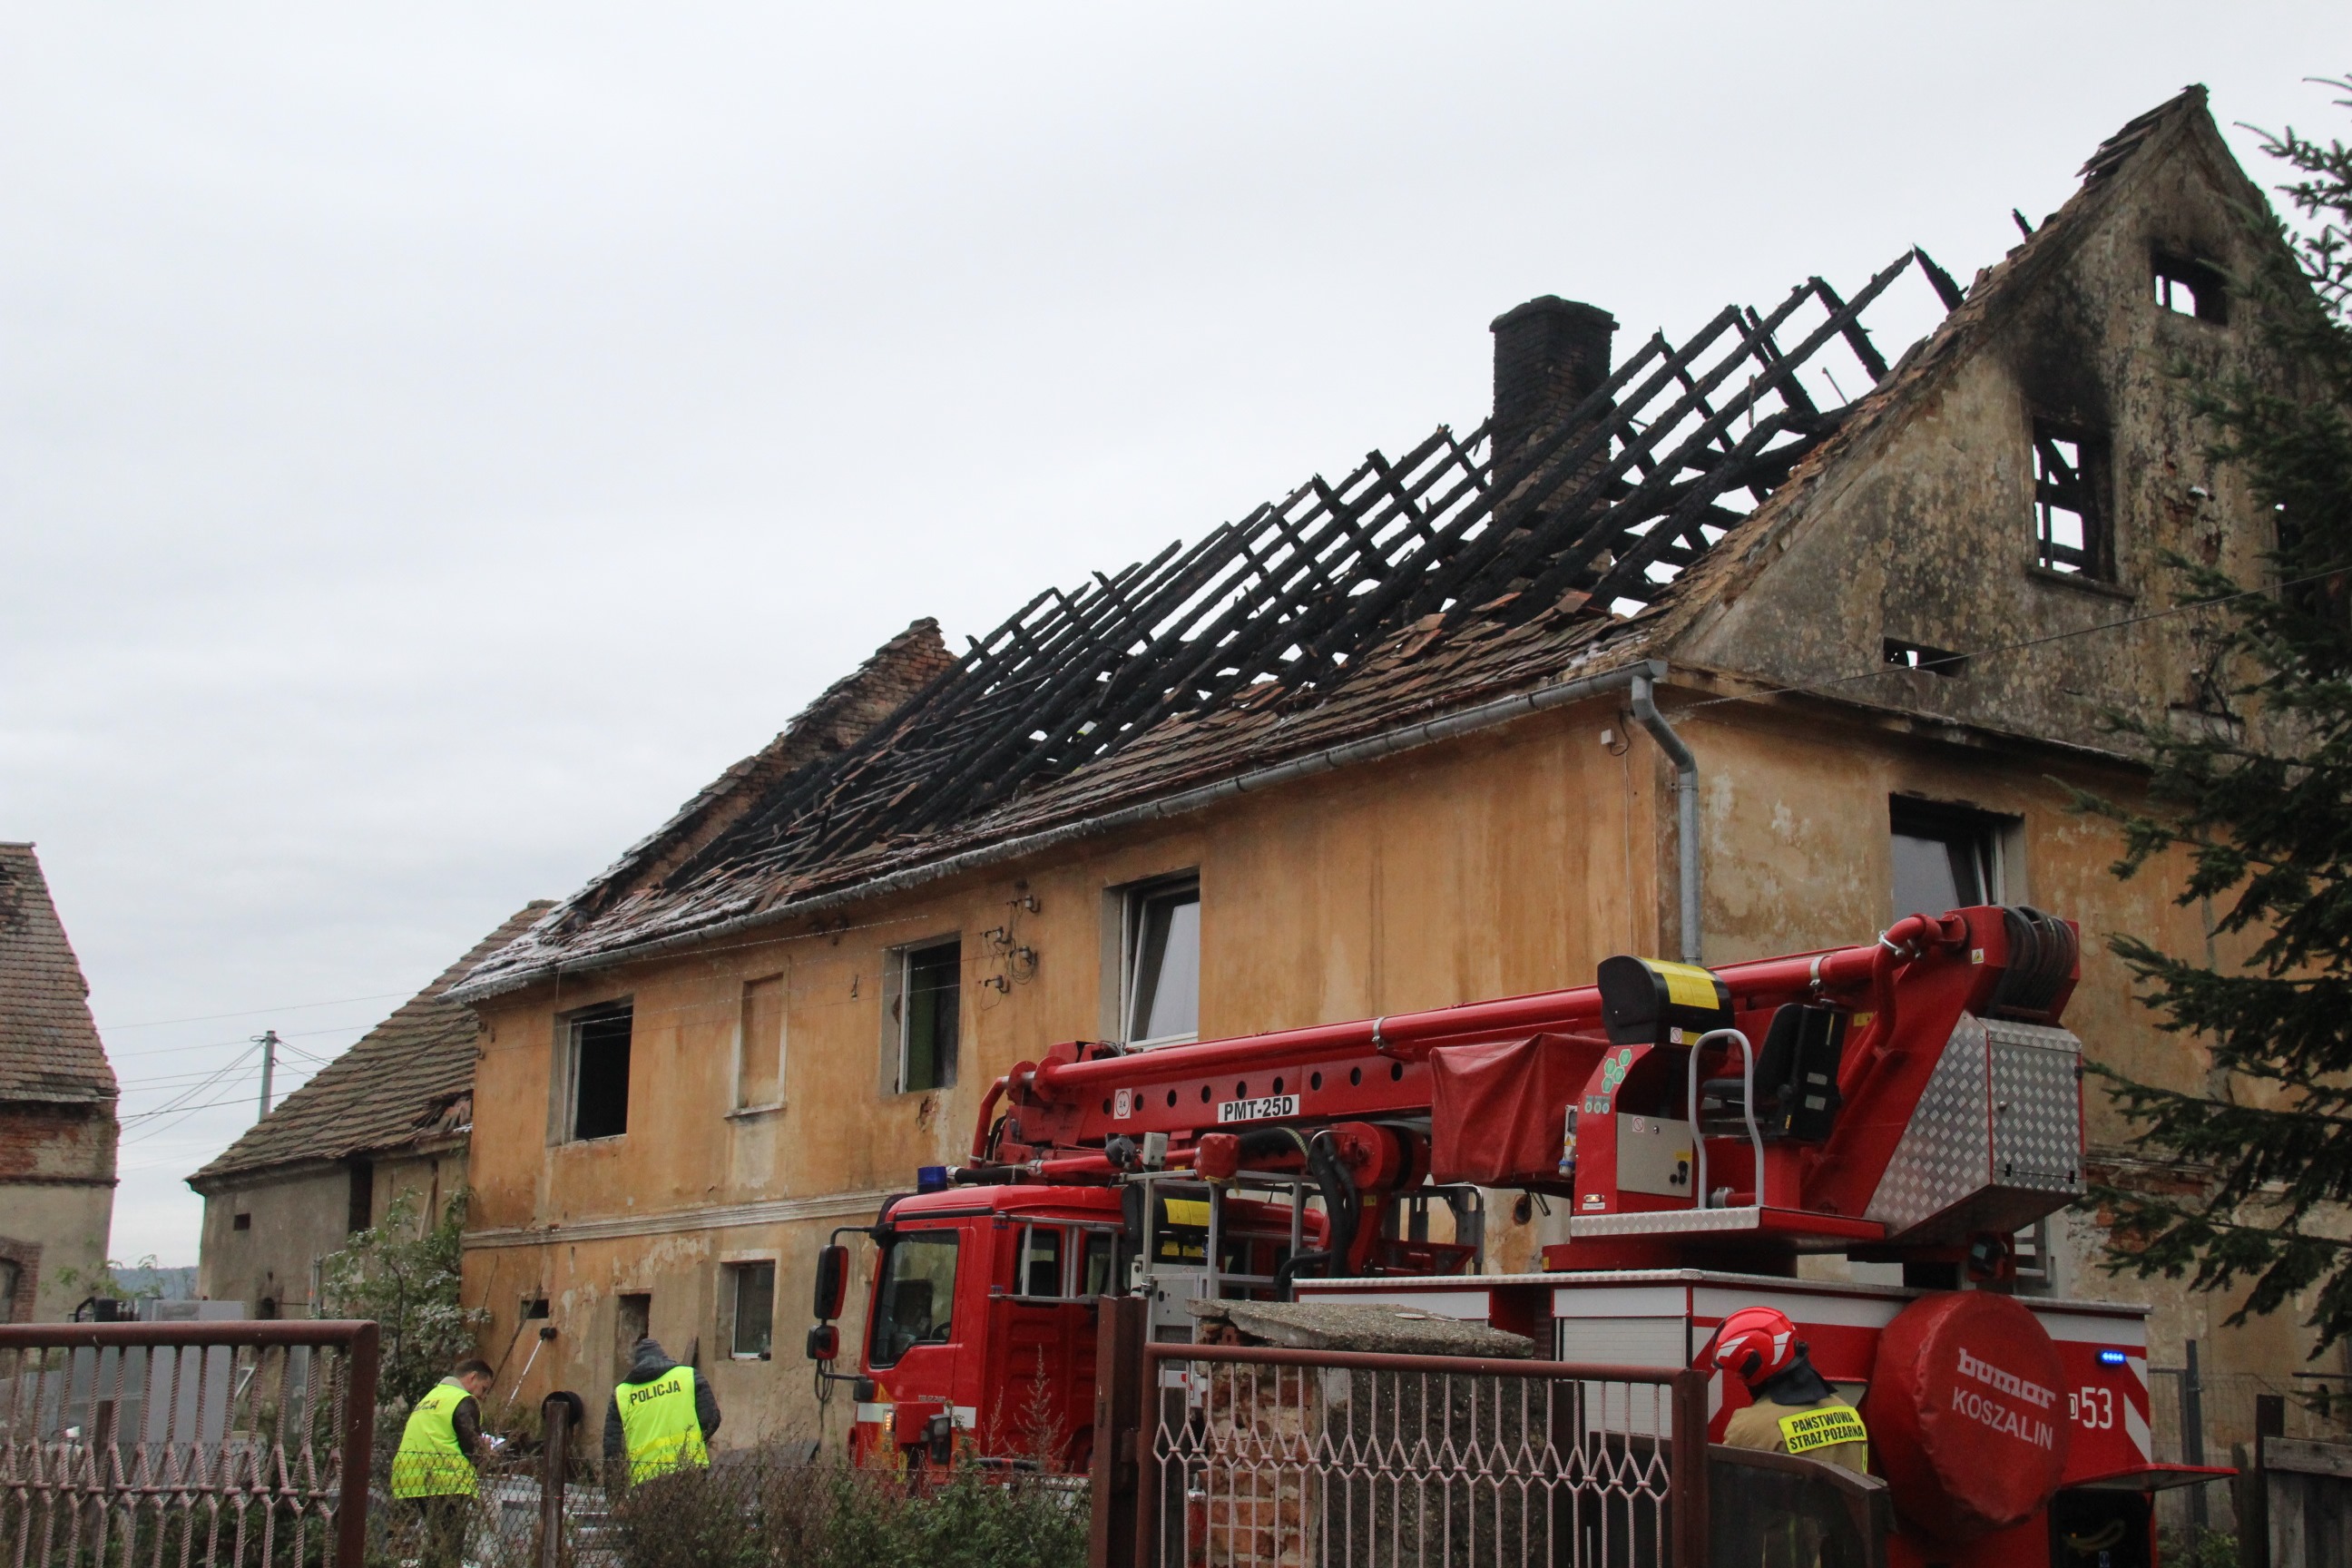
(564, 1103)
(898, 962)
(1132, 900)
(730, 1269)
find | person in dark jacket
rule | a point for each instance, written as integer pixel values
(639, 1406)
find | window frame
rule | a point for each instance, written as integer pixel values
(882, 1314)
(1077, 1239)
(1996, 837)
(2089, 497)
(1134, 901)
(2208, 286)
(736, 1270)
(744, 1044)
(570, 1027)
(898, 1018)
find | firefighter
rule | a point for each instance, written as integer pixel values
(433, 1471)
(1794, 1409)
(662, 1415)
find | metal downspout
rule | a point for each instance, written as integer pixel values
(1645, 712)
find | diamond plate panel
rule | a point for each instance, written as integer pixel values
(2037, 1106)
(1944, 1154)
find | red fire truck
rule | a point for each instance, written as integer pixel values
(1912, 1101)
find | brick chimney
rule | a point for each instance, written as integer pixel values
(1551, 354)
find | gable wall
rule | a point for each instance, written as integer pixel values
(1926, 534)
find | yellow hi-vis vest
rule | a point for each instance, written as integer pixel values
(430, 1463)
(660, 1425)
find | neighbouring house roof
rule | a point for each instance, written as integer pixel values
(409, 1079)
(1416, 587)
(49, 1049)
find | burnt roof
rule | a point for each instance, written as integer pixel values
(408, 1078)
(49, 1049)
(1415, 586)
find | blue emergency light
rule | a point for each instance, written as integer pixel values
(2113, 1358)
(930, 1178)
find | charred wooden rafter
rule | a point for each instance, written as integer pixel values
(1627, 490)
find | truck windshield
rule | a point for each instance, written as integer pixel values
(915, 1302)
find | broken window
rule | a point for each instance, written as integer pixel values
(753, 1304)
(926, 1013)
(760, 1044)
(2191, 288)
(1160, 962)
(1944, 858)
(598, 1072)
(2070, 532)
(1919, 656)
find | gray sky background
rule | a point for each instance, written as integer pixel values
(436, 439)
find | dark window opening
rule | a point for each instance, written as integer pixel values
(929, 1015)
(914, 1301)
(266, 1309)
(242, 1222)
(2068, 520)
(1919, 656)
(2189, 287)
(535, 1308)
(754, 1308)
(359, 1208)
(1944, 858)
(600, 1073)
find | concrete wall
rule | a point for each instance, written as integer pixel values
(56, 1203)
(294, 1216)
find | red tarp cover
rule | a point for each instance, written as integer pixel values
(1496, 1112)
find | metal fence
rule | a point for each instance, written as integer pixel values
(1324, 1460)
(174, 1444)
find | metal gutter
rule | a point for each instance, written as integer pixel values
(1639, 677)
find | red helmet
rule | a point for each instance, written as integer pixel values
(1754, 1344)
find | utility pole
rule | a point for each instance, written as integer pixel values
(267, 1041)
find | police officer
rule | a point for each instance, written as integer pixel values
(662, 1415)
(433, 1471)
(1793, 1410)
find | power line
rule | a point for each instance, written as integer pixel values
(251, 1012)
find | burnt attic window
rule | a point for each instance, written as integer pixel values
(1919, 656)
(2069, 519)
(2186, 287)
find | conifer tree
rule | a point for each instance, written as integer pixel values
(2261, 804)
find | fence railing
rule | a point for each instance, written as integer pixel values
(178, 1444)
(1261, 1456)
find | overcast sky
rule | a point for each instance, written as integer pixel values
(435, 440)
